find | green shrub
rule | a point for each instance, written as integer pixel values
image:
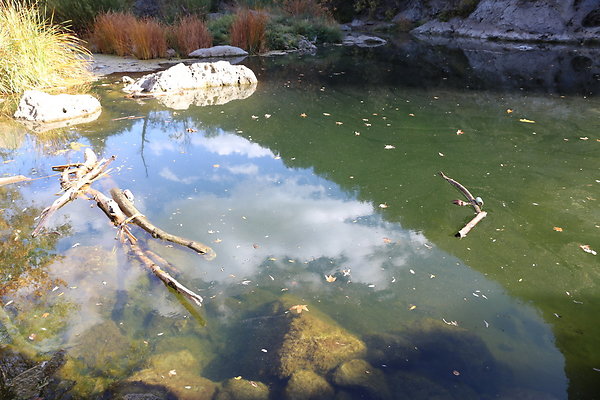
(219, 28)
(35, 53)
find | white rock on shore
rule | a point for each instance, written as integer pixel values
(218, 51)
(180, 77)
(41, 107)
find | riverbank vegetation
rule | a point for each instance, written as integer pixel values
(37, 53)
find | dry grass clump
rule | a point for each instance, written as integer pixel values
(35, 53)
(148, 39)
(123, 34)
(110, 33)
(190, 33)
(248, 30)
(306, 8)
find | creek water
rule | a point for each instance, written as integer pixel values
(329, 168)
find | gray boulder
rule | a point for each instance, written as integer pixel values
(180, 77)
(363, 41)
(218, 51)
(40, 107)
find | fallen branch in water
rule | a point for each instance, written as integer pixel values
(75, 180)
(472, 201)
(140, 220)
(86, 173)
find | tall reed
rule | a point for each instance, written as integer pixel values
(148, 39)
(248, 30)
(190, 33)
(35, 53)
(111, 31)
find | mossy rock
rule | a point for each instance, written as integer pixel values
(242, 389)
(359, 374)
(307, 385)
(311, 343)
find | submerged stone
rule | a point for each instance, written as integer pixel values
(242, 389)
(311, 343)
(307, 385)
(179, 374)
(359, 374)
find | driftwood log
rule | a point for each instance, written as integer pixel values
(471, 202)
(75, 180)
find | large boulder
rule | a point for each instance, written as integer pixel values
(313, 343)
(359, 374)
(218, 51)
(307, 385)
(243, 389)
(181, 77)
(41, 107)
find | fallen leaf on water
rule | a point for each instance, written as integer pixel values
(387, 240)
(584, 138)
(527, 121)
(267, 115)
(339, 123)
(216, 165)
(509, 111)
(191, 130)
(558, 229)
(32, 336)
(254, 117)
(441, 154)
(254, 384)
(383, 205)
(303, 115)
(237, 378)
(172, 372)
(460, 132)
(411, 115)
(326, 114)
(587, 249)
(389, 147)
(412, 307)
(299, 308)
(77, 146)
(456, 373)
(45, 315)
(330, 278)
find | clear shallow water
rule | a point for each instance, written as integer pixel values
(286, 186)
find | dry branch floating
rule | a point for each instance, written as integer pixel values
(472, 202)
(140, 220)
(463, 190)
(118, 217)
(13, 179)
(86, 174)
(75, 180)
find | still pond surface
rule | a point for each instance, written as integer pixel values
(329, 168)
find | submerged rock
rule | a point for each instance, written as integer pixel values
(311, 343)
(178, 373)
(307, 385)
(359, 374)
(242, 389)
(180, 77)
(218, 51)
(41, 107)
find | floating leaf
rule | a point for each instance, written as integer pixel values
(303, 115)
(330, 278)
(460, 132)
(412, 307)
(587, 249)
(509, 111)
(558, 229)
(526, 121)
(383, 205)
(389, 147)
(77, 146)
(299, 308)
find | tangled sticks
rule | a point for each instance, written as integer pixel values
(76, 180)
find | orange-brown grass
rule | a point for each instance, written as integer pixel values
(190, 33)
(248, 30)
(148, 39)
(306, 8)
(110, 34)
